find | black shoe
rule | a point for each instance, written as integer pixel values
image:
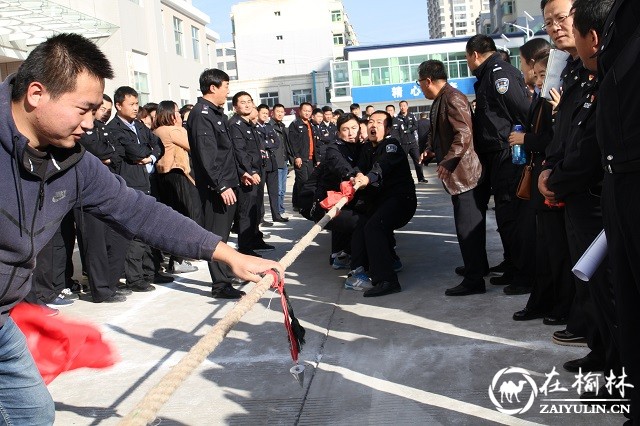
(382, 289)
(566, 338)
(465, 290)
(505, 279)
(249, 252)
(162, 279)
(263, 247)
(526, 315)
(281, 219)
(227, 292)
(423, 181)
(555, 321)
(123, 291)
(501, 267)
(266, 224)
(141, 288)
(513, 289)
(461, 270)
(116, 298)
(587, 364)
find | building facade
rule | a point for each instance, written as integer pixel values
(226, 57)
(511, 16)
(275, 38)
(159, 47)
(454, 18)
(387, 74)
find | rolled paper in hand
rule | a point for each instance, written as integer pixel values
(592, 258)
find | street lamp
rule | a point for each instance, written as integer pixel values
(529, 33)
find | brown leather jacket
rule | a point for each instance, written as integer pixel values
(451, 138)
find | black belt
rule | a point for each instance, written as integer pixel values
(628, 167)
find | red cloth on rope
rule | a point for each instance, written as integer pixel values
(58, 345)
(346, 190)
(295, 332)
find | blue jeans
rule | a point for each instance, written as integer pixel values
(24, 398)
(282, 188)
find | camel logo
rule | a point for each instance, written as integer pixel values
(510, 383)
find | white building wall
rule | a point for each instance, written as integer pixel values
(285, 37)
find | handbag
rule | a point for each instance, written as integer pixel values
(524, 186)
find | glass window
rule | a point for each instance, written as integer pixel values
(230, 52)
(269, 98)
(177, 33)
(277, 13)
(278, 37)
(221, 65)
(301, 95)
(507, 7)
(338, 39)
(231, 65)
(336, 15)
(405, 75)
(195, 40)
(417, 60)
(358, 65)
(355, 77)
(141, 84)
(380, 62)
(218, 52)
(375, 76)
(340, 72)
(281, 61)
(365, 77)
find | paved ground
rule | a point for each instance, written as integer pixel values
(416, 357)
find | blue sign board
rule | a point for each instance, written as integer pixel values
(407, 91)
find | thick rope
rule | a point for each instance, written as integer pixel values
(147, 409)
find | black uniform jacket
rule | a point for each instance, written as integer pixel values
(407, 130)
(214, 164)
(134, 148)
(574, 77)
(98, 142)
(388, 170)
(501, 102)
(271, 143)
(284, 151)
(618, 107)
(580, 172)
(247, 146)
(299, 139)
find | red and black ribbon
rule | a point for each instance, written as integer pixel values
(295, 332)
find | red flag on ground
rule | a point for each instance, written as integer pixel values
(60, 345)
(346, 190)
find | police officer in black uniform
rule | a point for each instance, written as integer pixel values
(92, 232)
(283, 154)
(390, 195)
(617, 112)
(303, 147)
(271, 144)
(502, 101)
(248, 149)
(408, 140)
(215, 171)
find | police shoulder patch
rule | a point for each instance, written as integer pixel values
(502, 85)
(391, 148)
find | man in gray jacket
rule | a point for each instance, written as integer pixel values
(44, 173)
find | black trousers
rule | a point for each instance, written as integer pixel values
(218, 219)
(372, 240)
(593, 302)
(273, 189)
(553, 290)
(93, 233)
(468, 214)
(500, 178)
(621, 210)
(342, 228)
(52, 270)
(412, 150)
(250, 200)
(302, 175)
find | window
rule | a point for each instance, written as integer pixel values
(336, 15)
(221, 65)
(177, 32)
(141, 84)
(269, 98)
(218, 52)
(281, 61)
(277, 13)
(338, 39)
(278, 37)
(231, 65)
(507, 7)
(195, 41)
(184, 95)
(230, 52)
(461, 25)
(301, 95)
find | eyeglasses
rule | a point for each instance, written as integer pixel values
(420, 80)
(550, 23)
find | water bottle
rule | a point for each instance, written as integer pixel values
(518, 155)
